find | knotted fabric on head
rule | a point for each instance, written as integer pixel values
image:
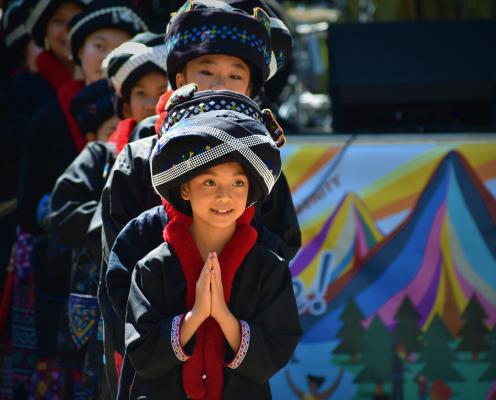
(209, 352)
(201, 141)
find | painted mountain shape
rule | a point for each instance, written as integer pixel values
(440, 256)
(346, 236)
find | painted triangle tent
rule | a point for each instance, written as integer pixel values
(344, 238)
(443, 254)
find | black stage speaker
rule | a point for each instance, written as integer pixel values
(436, 76)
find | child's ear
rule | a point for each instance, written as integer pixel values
(180, 80)
(184, 192)
(90, 136)
(126, 110)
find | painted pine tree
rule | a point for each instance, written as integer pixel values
(377, 355)
(437, 354)
(490, 373)
(474, 330)
(351, 332)
(407, 332)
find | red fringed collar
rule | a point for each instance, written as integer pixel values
(65, 94)
(209, 352)
(52, 69)
(120, 137)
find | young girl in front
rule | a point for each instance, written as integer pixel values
(211, 313)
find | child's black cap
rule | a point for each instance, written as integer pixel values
(93, 105)
(128, 63)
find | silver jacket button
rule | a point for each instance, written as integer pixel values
(204, 376)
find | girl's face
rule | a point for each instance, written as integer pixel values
(95, 48)
(57, 33)
(217, 72)
(144, 96)
(218, 195)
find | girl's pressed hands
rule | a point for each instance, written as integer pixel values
(219, 307)
(202, 307)
(228, 323)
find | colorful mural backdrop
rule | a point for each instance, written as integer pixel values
(396, 278)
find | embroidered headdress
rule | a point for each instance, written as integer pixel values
(203, 27)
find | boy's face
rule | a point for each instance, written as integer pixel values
(144, 95)
(218, 195)
(217, 72)
(96, 47)
(104, 131)
(57, 32)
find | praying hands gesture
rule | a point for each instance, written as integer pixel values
(210, 302)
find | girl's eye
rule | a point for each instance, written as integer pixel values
(140, 93)
(239, 183)
(209, 182)
(205, 72)
(99, 46)
(236, 77)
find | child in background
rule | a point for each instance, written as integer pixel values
(211, 312)
(79, 342)
(53, 142)
(96, 32)
(136, 72)
(18, 53)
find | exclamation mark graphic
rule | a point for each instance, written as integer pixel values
(318, 304)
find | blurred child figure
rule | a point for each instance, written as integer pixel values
(73, 203)
(18, 54)
(137, 72)
(211, 312)
(54, 140)
(138, 77)
(21, 96)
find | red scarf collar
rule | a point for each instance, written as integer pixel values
(65, 94)
(120, 137)
(209, 352)
(160, 110)
(52, 69)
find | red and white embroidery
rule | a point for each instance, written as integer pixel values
(176, 343)
(243, 347)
